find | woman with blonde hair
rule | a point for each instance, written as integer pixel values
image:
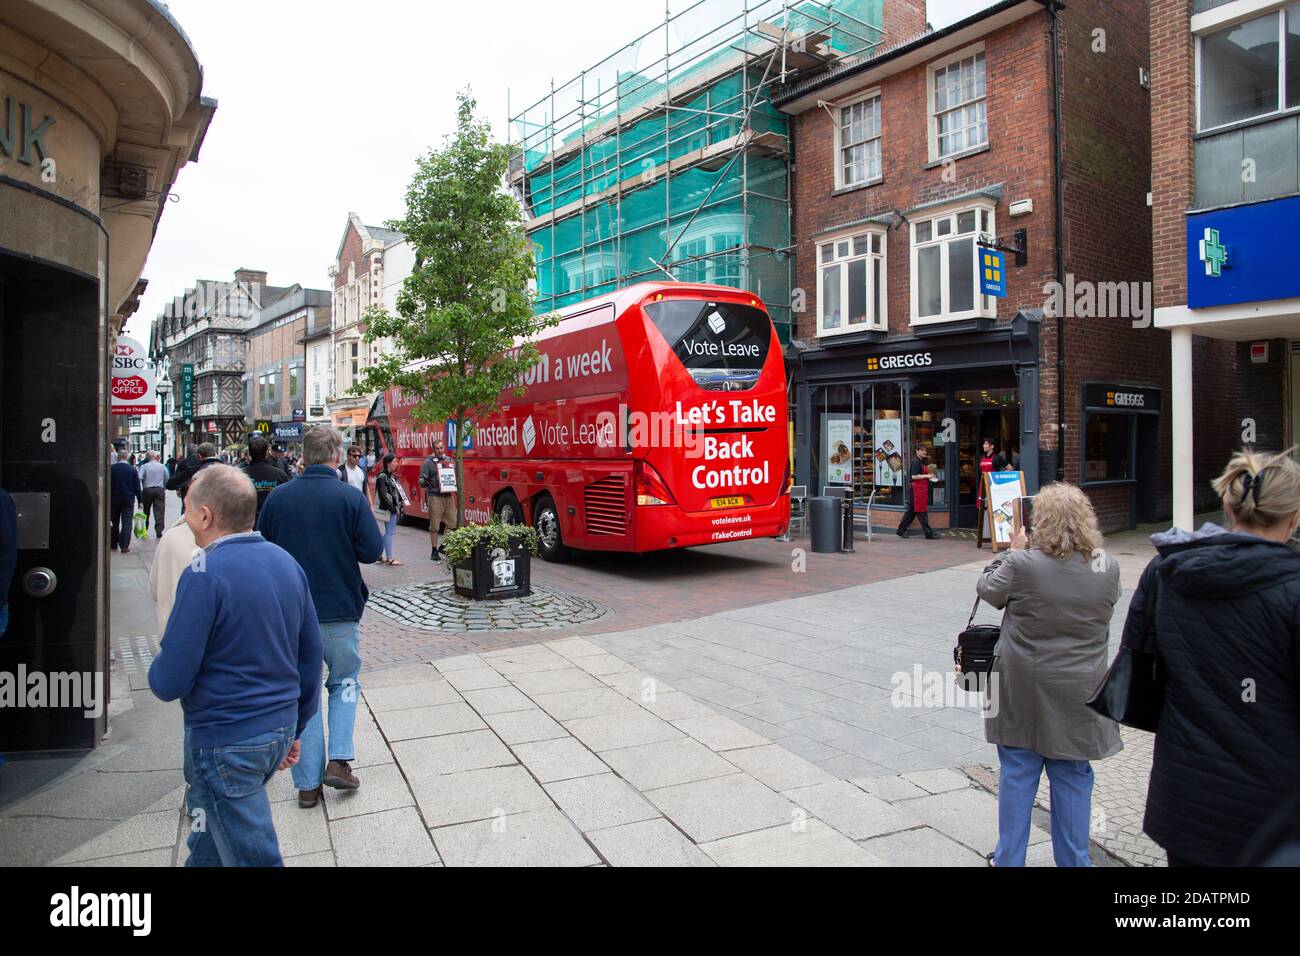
(1220, 610)
(1059, 592)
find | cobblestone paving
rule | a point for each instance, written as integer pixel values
(435, 606)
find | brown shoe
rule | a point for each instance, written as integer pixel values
(340, 776)
(309, 798)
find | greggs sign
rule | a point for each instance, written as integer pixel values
(131, 381)
(885, 363)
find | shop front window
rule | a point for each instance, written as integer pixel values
(926, 428)
(1108, 445)
(858, 442)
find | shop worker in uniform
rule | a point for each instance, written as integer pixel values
(248, 682)
(265, 475)
(442, 504)
(919, 503)
(329, 527)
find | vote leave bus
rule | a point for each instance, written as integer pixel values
(656, 417)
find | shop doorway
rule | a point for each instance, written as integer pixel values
(982, 414)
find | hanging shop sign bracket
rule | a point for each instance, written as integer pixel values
(1017, 245)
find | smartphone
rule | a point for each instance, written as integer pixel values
(1023, 514)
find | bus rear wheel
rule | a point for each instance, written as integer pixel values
(508, 510)
(547, 522)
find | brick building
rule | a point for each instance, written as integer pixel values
(368, 271)
(909, 160)
(206, 329)
(275, 383)
(1225, 86)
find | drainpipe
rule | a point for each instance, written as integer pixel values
(1052, 6)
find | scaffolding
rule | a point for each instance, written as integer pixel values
(679, 166)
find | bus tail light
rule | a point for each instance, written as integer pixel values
(650, 488)
(787, 481)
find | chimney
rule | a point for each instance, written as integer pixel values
(903, 20)
(250, 277)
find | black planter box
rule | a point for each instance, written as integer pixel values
(490, 574)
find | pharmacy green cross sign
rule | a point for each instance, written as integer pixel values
(1213, 254)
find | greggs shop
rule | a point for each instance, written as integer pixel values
(861, 409)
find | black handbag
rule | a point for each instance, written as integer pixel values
(973, 654)
(1133, 690)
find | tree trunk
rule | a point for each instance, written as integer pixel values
(460, 470)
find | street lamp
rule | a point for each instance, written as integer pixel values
(164, 388)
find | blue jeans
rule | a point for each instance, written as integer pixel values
(342, 641)
(230, 814)
(1071, 793)
(388, 535)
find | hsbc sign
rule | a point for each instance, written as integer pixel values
(131, 380)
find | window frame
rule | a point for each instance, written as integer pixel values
(985, 307)
(1281, 109)
(840, 146)
(932, 117)
(874, 323)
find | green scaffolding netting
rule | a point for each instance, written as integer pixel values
(617, 184)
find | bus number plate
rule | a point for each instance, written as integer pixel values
(734, 502)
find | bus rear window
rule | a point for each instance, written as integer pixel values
(723, 345)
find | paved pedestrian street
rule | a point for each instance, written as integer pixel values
(782, 725)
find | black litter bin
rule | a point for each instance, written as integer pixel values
(825, 524)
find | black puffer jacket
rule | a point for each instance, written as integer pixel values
(1223, 610)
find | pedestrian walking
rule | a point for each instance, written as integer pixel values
(441, 504)
(352, 471)
(393, 501)
(125, 492)
(265, 475)
(918, 505)
(249, 683)
(1059, 591)
(329, 527)
(188, 467)
(280, 461)
(174, 554)
(1220, 609)
(153, 492)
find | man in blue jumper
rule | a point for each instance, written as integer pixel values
(243, 653)
(328, 525)
(125, 491)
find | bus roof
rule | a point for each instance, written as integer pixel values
(621, 299)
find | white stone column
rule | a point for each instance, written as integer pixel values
(1183, 426)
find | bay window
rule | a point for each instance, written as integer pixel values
(851, 284)
(945, 280)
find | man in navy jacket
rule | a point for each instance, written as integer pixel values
(125, 492)
(328, 525)
(242, 652)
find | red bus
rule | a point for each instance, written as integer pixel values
(654, 418)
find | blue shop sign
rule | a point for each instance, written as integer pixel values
(1243, 254)
(993, 273)
(287, 431)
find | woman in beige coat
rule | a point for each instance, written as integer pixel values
(1059, 593)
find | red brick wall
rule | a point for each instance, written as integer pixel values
(1107, 228)
(279, 345)
(902, 19)
(1107, 174)
(1019, 157)
(1173, 121)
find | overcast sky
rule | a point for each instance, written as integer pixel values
(323, 106)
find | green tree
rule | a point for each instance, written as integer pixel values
(465, 309)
